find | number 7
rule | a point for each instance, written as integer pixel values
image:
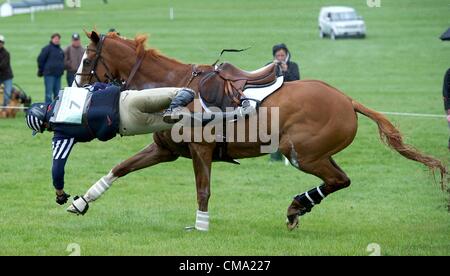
(75, 104)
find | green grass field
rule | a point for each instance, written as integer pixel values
(392, 201)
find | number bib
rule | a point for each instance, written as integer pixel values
(70, 106)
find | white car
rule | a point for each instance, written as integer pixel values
(335, 21)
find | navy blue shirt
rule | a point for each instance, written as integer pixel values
(101, 122)
(51, 60)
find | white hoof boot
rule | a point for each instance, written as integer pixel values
(202, 221)
(79, 206)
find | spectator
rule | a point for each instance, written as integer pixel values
(282, 55)
(73, 55)
(51, 67)
(113, 30)
(6, 74)
(290, 70)
(446, 94)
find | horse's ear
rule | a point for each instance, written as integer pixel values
(94, 37)
(88, 34)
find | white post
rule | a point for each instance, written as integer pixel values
(32, 14)
(171, 15)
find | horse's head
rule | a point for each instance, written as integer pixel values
(93, 66)
(107, 58)
(114, 58)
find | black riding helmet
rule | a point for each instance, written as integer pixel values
(36, 117)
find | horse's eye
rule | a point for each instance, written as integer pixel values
(87, 62)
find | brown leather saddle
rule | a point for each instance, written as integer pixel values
(224, 86)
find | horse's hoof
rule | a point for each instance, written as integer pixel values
(72, 210)
(193, 228)
(292, 222)
(79, 206)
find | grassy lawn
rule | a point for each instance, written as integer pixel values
(392, 201)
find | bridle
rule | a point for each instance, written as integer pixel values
(99, 59)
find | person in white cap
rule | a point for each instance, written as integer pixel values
(6, 74)
(73, 54)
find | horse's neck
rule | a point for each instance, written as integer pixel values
(162, 72)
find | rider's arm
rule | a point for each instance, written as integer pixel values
(62, 147)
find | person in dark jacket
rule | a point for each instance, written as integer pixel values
(290, 71)
(51, 67)
(6, 74)
(446, 94)
(103, 112)
(282, 56)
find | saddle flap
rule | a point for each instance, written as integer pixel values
(214, 91)
(225, 86)
(263, 75)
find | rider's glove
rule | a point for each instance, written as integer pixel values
(62, 199)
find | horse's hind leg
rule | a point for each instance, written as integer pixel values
(334, 179)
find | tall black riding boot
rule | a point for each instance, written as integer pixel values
(183, 98)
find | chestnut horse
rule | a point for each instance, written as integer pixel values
(316, 121)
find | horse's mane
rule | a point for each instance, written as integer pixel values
(139, 43)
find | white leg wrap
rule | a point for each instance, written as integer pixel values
(100, 187)
(202, 221)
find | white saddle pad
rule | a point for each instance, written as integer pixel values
(258, 94)
(261, 93)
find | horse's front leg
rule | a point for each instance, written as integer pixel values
(151, 155)
(202, 158)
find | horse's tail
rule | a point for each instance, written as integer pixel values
(392, 137)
